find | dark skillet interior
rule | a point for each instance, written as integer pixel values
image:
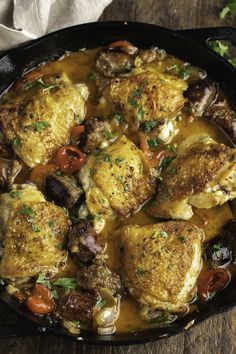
(13, 63)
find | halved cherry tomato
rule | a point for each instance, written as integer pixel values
(125, 46)
(40, 173)
(31, 76)
(69, 159)
(211, 280)
(40, 300)
(76, 132)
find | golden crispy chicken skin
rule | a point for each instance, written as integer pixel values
(39, 119)
(160, 263)
(33, 232)
(117, 179)
(148, 96)
(203, 175)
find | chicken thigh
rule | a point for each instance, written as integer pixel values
(160, 263)
(32, 231)
(203, 175)
(39, 119)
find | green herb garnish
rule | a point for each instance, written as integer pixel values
(67, 283)
(153, 143)
(26, 210)
(119, 117)
(141, 272)
(182, 239)
(16, 142)
(149, 125)
(230, 6)
(42, 280)
(15, 194)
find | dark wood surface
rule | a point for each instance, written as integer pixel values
(214, 336)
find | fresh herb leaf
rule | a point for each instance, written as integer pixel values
(67, 283)
(35, 228)
(126, 187)
(108, 135)
(42, 280)
(184, 72)
(149, 125)
(26, 210)
(133, 102)
(101, 303)
(173, 170)
(119, 117)
(140, 114)
(163, 234)
(153, 143)
(141, 272)
(58, 173)
(219, 47)
(229, 7)
(233, 62)
(166, 161)
(119, 160)
(182, 239)
(55, 294)
(92, 76)
(107, 158)
(16, 142)
(51, 223)
(15, 194)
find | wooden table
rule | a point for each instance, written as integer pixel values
(214, 336)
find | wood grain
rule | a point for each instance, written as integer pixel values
(216, 335)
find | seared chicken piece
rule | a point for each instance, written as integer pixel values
(117, 180)
(148, 96)
(203, 175)
(160, 263)
(38, 121)
(33, 232)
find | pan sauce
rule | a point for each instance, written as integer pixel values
(78, 67)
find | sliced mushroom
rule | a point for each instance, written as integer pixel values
(224, 116)
(82, 242)
(149, 55)
(63, 190)
(9, 169)
(201, 96)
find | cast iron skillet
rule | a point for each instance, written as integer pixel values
(190, 45)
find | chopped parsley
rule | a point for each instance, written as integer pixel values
(51, 223)
(216, 247)
(67, 283)
(42, 280)
(118, 160)
(153, 143)
(58, 173)
(182, 239)
(118, 117)
(166, 161)
(133, 102)
(149, 125)
(107, 158)
(16, 142)
(121, 178)
(35, 228)
(173, 170)
(15, 194)
(108, 135)
(230, 6)
(126, 187)
(101, 303)
(140, 114)
(141, 272)
(37, 126)
(184, 72)
(26, 210)
(55, 294)
(92, 76)
(163, 234)
(40, 82)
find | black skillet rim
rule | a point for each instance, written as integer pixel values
(214, 307)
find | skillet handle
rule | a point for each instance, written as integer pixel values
(202, 35)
